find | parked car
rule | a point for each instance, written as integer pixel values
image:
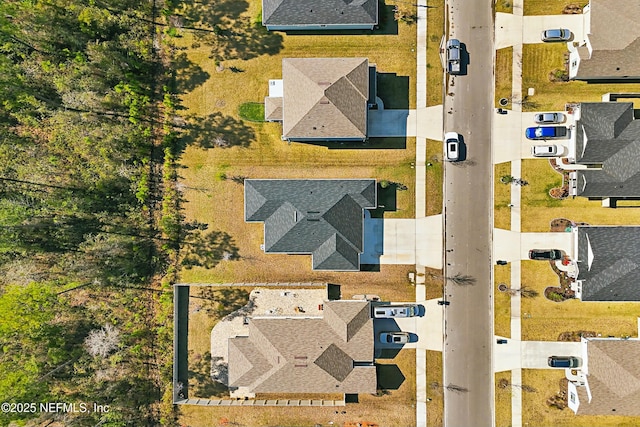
(549, 118)
(544, 150)
(563, 362)
(454, 56)
(545, 254)
(546, 132)
(556, 35)
(451, 147)
(391, 311)
(394, 337)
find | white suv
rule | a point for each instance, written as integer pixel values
(451, 147)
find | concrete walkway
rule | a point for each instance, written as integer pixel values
(510, 146)
(420, 166)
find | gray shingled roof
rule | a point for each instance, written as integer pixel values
(320, 217)
(609, 263)
(325, 98)
(319, 12)
(614, 378)
(306, 355)
(607, 135)
(615, 40)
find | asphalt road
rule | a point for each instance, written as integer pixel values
(468, 110)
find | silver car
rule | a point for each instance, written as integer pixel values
(549, 118)
(556, 35)
(544, 150)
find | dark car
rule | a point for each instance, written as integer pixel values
(563, 362)
(546, 132)
(545, 254)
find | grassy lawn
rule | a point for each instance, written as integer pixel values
(435, 408)
(502, 302)
(545, 320)
(435, 31)
(504, 6)
(541, 59)
(395, 408)
(501, 197)
(535, 411)
(547, 7)
(434, 283)
(504, 73)
(252, 111)
(434, 177)
(503, 400)
(538, 208)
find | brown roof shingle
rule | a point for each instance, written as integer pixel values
(325, 98)
(615, 40)
(306, 355)
(613, 378)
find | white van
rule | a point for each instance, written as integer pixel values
(387, 312)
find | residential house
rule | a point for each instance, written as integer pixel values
(322, 99)
(321, 217)
(611, 48)
(609, 379)
(608, 261)
(319, 14)
(328, 354)
(607, 143)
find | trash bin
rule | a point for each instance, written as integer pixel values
(501, 341)
(501, 262)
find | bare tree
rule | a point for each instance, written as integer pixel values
(101, 342)
(220, 141)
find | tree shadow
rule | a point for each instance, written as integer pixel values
(187, 75)
(223, 26)
(390, 377)
(207, 250)
(200, 379)
(226, 303)
(216, 130)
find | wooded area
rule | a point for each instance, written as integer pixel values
(89, 214)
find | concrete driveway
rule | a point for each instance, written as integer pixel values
(506, 241)
(513, 29)
(531, 354)
(427, 328)
(391, 123)
(534, 25)
(389, 241)
(509, 142)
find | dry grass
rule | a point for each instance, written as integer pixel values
(547, 7)
(435, 408)
(434, 183)
(502, 302)
(501, 197)
(545, 320)
(504, 73)
(542, 58)
(539, 209)
(435, 31)
(225, 91)
(535, 411)
(504, 6)
(397, 408)
(434, 283)
(503, 400)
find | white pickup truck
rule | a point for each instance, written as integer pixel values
(391, 311)
(454, 56)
